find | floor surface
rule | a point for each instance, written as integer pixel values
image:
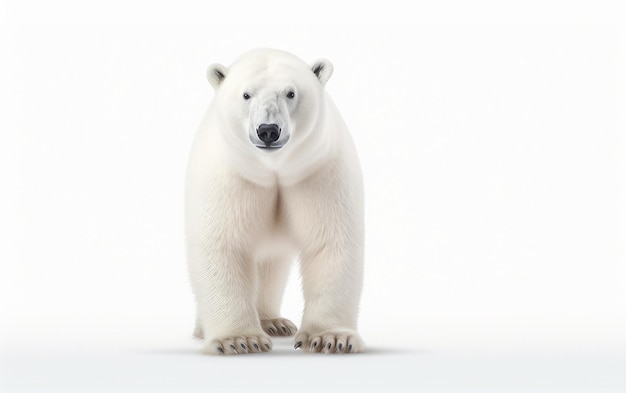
(178, 366)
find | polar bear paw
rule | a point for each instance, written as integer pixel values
(330, 341)
(238, 345)
(278, 327)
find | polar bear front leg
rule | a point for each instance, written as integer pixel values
(325, 213)
(273, 274)
(222, 224)
(332, 280)
(227, 316)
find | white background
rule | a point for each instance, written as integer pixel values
(493, 143)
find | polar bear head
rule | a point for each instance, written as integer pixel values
(269, 98)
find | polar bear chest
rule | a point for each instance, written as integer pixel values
(275, 240)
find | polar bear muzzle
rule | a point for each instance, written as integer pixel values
(268, 133)
(268, 137)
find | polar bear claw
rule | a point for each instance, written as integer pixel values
(278, 327)
(238, 345)
(332, 341)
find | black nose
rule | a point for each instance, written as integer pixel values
(268, 133)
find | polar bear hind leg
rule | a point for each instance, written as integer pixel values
(273, 274)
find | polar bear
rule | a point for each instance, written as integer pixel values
(273, 175)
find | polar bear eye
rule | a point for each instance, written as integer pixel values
(291, 94)
(246, 96)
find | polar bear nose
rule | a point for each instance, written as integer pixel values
(268, 133)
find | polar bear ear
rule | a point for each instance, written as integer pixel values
(322, 69)
(216, 73)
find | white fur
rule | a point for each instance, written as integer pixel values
(251, 211)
